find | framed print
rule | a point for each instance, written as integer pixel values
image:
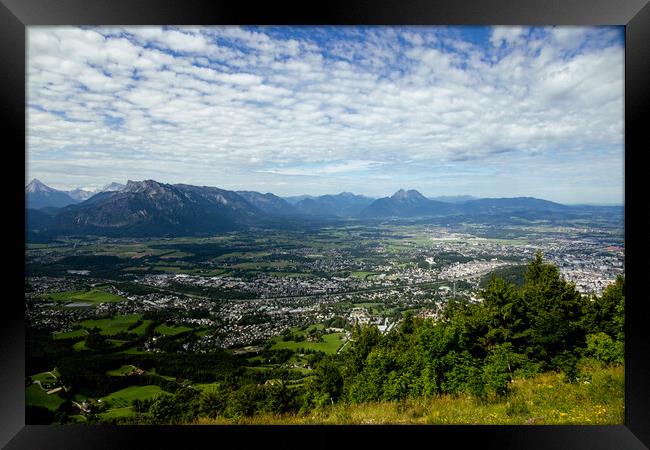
(369, 223)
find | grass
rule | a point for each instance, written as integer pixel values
(331, 343)
(362, 275)
(543, 400)
(206, 387)
(126, 396)
(117, 413)
(92, 296)
(36, 396)
(71, 334)
(117, 324)
(45, 377)
(171, 331)
(121, 371)
(79, 346)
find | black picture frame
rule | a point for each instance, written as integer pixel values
(16, 15)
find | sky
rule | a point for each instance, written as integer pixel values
(482, 111)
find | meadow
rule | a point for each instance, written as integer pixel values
(118, 324)
(330, 344)
(92, 297)
(36, 396)
(546, 399)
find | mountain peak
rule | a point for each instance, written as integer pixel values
(411, 194)
(140, 186)
(112, 187)
(37, 186)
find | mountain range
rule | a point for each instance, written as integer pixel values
(38, 195)
(150, 208)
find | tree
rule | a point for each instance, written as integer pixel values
(605, 349)
(329, 379)
(553, 311)
(213, 402)
(499, 367)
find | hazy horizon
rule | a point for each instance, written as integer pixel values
(480, 111)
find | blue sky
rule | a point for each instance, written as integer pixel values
(484, 111)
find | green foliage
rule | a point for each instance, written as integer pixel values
(603, 348)
(182, 407)
(498, 368)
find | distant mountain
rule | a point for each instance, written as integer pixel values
(38, 195)
(512, 204)
(149, 208)
(296, 198)
(80, 194)
(342, 205)
(453, 198)
(409, 203)
(112, 187)
(269, 203)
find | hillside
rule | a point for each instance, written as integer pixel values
(545, 399)
(150, 208)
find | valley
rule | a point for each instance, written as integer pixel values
(276, 301)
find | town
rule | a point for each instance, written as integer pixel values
(253, 296)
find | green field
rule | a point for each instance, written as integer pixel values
(92, 296)
(36, 396)
(171, 331)
(331, 343)
(121, 371)
(126, 396)
(362, 275)
(117, 413)
(45, 377)
(206, 387)
(117, 324)
(79, 346)
(71, 334)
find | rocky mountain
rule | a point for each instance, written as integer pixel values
(39, 195)
(409, 203)
(80, 194)
(149, 208)
(269, 203)
(112, 187)
(343, 205)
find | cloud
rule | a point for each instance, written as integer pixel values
(506, 34)
(216, 105)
